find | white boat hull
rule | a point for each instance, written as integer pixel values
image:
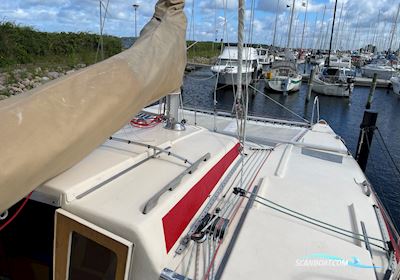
(381, 73)
(341, 90)
(230, 79)
(395, 84)
(284, 84)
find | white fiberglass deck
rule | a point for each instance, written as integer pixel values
(305, 169)
(322, 188)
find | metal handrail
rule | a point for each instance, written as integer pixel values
(251, 118)
(155, 148)
(315, 107)
(153, 201)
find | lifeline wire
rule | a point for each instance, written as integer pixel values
(279, 104)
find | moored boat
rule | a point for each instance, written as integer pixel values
(383, 71)
(283, 77)
(333, 81)
(226, 68)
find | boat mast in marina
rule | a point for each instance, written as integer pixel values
(314, 39)
(393, 32)
(290, 25)
(304, 26)
(240, 109)
(338, 29)
(333, 29)
(276, 22)
(321, 29)
(353, 46)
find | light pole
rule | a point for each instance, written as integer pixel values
(135, 6)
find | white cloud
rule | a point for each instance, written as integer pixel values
(83, 15)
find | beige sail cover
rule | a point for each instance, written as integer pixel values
(47, 130)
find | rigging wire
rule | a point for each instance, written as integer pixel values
(380, 188)
(388, 151)
(279, 104)
(102, 23)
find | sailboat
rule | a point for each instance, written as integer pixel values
(105, 196)
(283, 75)
(333, 80)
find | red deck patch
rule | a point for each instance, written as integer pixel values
(177, 219)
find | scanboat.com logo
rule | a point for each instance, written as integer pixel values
(320, 259)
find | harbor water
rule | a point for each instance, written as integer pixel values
(344, 115)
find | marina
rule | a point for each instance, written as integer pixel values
(168, 158)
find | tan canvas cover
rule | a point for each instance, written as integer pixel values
(47, 130)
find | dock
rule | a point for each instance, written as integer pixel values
(361, 81)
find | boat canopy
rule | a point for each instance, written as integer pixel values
(49, 129)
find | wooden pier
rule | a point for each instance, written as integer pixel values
(362, 82)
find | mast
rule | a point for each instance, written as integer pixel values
(355, 33)
(394, 28)
(240, 100)
(314, 44)
(333, 29)
(342, 28)
(276, 22)
(322, 27)
(290, 25)
(338, 28)
(304, 26)
(376, 29)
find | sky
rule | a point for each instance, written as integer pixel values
(210, 20)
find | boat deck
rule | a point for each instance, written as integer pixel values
(307, 170)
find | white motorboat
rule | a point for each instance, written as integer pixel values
(333, 81)
(395, 80)
(283, 77)
(383, 71)
(160, 199)
(226, 67)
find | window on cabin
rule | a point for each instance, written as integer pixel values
(85, 251)
(90, 260)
